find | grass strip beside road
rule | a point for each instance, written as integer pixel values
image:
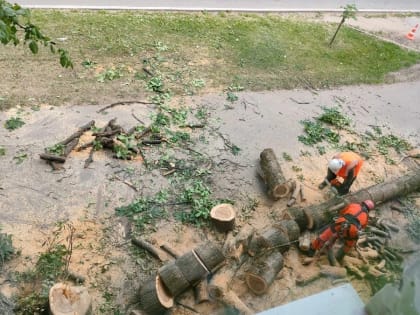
(257, 52)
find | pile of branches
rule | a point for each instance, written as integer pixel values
(124, 144)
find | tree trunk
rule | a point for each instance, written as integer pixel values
(66, 299)
(264, 271)
(273, 175)
(380, 193)
(291, 228)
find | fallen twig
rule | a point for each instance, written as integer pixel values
(123, 103)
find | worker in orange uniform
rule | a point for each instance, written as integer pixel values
(345, 165)
(347, 227)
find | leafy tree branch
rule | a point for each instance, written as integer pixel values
(14, 19)
(349, 12)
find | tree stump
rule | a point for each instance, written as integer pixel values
(210, 255)
(273, 175)
(223, 217)
(263, 272)
(173, 278)
(65, 299)
(154, 297)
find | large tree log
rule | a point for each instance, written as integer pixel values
(380, 193)
(273, 175)
(264, 271)
(173, 278)
(271, 238)
(192, 268)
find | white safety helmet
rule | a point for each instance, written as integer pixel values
(335, 165)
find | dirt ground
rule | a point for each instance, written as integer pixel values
(33, 197)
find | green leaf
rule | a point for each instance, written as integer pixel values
(33, 46)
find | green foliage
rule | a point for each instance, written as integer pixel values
(287, 157)
(14, 18)
(350, 11)
(316, 132)
(13, 123)
(296, 168)
(145, 210)
(109, 75)
(231, 97)
(334, 117)
(155, 84)
(20, 157)
(2, 151)
(57, 149)
(392, 141)
(50, 265)
(6, 248)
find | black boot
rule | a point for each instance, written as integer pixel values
(311, 252)
(340, 255)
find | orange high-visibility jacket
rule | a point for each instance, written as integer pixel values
(348, 158)
(354, 210)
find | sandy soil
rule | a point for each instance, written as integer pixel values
(33, 197)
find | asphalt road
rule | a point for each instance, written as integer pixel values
(231, 5)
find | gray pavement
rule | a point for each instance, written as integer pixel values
(231, 5)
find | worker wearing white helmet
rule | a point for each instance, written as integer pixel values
(345, 165)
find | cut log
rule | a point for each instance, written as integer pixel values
(291, 228)
(65, 299)
(236, 246)
(379, 193)
(228, 297)
(154, 297)
(173, 278)
(273, 175)
(263, 272)
(170, 250)
(201, 293)
(192, 268)
(210, 255)
(223, 217)
(271, 238)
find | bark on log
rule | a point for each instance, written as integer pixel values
(272, 175)
(263, 272)
(201, 293)
(192, 268)
(210, 255)
(229, 298)
(271, 238)
(173, 278)
(291, 228)
(70, 146)
(154, 298)
(379, 193)
(223, 217)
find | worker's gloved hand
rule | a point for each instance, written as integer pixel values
(342, 190)
(336, 183)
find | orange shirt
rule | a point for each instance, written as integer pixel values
(348, 158)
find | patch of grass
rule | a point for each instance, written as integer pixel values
(6, 248)
(13, 123)
(57, 149)
(260, 51)
(2, 151)
(20, 157)
(287, 157)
